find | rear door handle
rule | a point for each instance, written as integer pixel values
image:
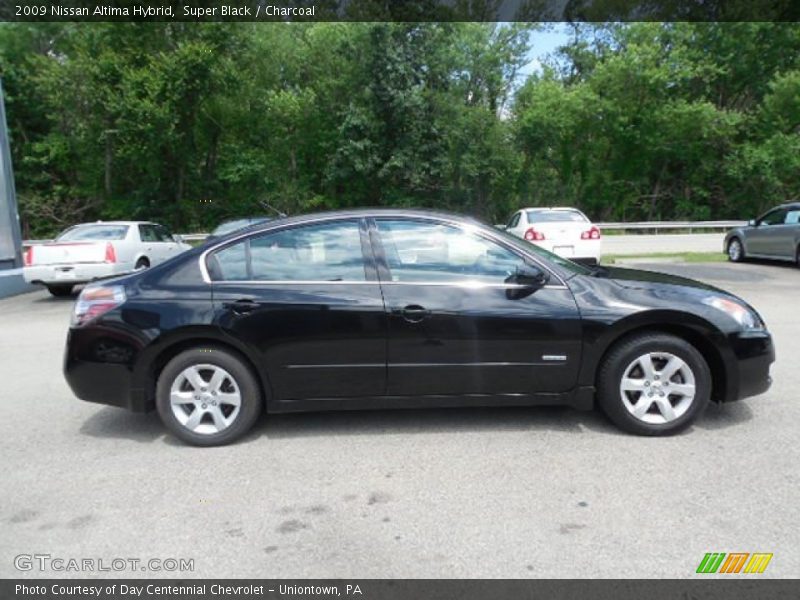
(241, 306)
(413, 313)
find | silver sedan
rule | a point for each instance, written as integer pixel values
(774, 235)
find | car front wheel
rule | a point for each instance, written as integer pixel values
(653, 384)
(735, 250)
(208, 396)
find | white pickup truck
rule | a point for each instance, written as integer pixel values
(92, 250)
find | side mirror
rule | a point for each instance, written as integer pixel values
(751, 223)
(177, 238)
(530, 278)
(502, 226)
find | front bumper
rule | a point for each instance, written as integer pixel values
(74, 274)
(754, 352)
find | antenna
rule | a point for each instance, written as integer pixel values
(266, 205)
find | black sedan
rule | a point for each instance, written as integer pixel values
(394, 309)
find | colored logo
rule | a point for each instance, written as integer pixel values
(734, 562)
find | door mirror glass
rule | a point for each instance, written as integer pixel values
(751, 223)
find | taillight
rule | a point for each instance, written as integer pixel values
(534, 236)
(27, 258)
(96, 301)
(591, 234)
(111, 254)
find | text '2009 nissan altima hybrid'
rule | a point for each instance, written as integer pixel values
(397, 308)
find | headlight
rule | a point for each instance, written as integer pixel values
(739, 313)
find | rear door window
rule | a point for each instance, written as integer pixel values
(330, 252)
(147, 233)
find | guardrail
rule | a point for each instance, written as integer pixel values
(650, 226)
(656, 226)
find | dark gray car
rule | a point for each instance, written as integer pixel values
(775, 234)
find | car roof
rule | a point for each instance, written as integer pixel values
(793, 204)
(114, 223)
(355, 213)
(248, 218)
(378, 212)
(541, 208)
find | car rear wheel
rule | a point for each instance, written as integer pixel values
(653, 384)
(735, 250)
(60, 290)
(142, 263)
(208, 396)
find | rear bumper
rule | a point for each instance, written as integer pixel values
(97, 369)
(754, 353)
(72, 274)
(585, 251)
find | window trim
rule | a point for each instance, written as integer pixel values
(359, 221)
(374, 259)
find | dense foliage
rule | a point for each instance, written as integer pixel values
(191, 123)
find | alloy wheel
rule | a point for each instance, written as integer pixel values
(657, 387)
(205, 399)
(735, 250)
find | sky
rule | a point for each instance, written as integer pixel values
(544, 43)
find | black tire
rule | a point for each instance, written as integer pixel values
(60, 291)
(245, 379)
(733, 255)
(797, 256)
(618, 360)
(142, 263)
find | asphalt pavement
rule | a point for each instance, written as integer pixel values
(467, 493)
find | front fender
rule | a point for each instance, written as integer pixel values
(712, 342)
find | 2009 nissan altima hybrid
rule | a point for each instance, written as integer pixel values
(403, 308)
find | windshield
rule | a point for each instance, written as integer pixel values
(230, 226)
(545, 254)
(556, 216)
(94, 232)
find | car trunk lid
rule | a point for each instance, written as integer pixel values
(59, 253)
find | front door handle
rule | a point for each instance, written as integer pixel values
(242, 306)
(413, 313)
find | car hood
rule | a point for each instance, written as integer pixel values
(640, 279)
